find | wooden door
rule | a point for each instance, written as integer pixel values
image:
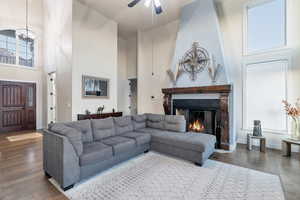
(17, 106)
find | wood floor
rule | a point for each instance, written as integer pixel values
(22, 177)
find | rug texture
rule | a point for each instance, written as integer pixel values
(158, 177)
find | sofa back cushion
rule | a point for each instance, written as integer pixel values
(139, 121)
(123, 125)
(175, 123)
(155, 121)
(73, 135)
(103, 128)
(84, 127)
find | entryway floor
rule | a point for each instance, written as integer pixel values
(22, 176)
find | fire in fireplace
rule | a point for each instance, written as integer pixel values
(202, 116)
(196, 126)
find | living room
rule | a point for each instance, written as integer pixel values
(149, 99)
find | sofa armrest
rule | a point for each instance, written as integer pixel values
(60, 159)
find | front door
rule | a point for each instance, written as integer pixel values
(17, 106)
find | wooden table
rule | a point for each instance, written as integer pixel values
(287, 146)
(261, 139)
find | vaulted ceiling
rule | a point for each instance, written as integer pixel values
(138, 18)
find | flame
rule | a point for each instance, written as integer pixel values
(197, 126)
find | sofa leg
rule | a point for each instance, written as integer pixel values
(67, 188)
(48, 176)
(147, 151)
(198, 164)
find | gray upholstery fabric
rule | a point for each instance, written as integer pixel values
(62, 162)
(197, 142)
(95, 152)
(155, 121)
(60, 159)
(103, 128)
(148, 130)
(139, 121)
(90, 170)
(84, 127)
(120, 144)
(140, 138)
(123, 125)
(175, 123)
(74, 136)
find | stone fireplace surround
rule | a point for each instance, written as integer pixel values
(223, 93)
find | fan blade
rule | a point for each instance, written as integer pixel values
(133, 3)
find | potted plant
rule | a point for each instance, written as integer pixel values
(294, 112)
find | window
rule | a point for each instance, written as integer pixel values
(265, 85)
(8, 47)
(16, 48)
(265, 25)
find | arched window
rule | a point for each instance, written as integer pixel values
(16, 48)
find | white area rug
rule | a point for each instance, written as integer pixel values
(157, 177)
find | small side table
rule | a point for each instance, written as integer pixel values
(261, 139)
(287, 146)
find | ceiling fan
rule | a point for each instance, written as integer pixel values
(156, 3)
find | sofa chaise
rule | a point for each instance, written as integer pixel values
(77, 150)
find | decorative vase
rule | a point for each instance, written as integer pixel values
(295, 129)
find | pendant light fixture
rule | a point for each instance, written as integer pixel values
(25, 33)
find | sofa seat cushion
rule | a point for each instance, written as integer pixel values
(120, 144)
(140, 138)
(139, 121)
(199, 142)
(95, 152)
(103, 128)
(123, 125)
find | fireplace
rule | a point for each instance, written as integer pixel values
(209, 116)
(202, 115)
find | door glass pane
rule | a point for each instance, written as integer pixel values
(30, 96)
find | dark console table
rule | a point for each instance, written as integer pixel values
(99, 116)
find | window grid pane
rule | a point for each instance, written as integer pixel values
(8, 46)
(266, 26)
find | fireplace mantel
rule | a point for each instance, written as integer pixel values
(223, 90)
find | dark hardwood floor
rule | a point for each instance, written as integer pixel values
(22, 176)
(288, 168)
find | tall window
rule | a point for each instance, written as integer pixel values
(16, 49)
(265, 70)
(265, 25)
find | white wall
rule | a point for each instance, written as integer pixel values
(95, 53)
(132, 57)
(58, 52)
(231, 19)
(12, 16)
(155, 53)
(123, 83)
(199, 23)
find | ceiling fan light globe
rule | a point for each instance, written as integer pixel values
(157, 3)
(147, 3)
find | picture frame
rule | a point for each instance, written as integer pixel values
(95, 87)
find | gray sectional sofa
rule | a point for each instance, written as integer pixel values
(76, 150)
